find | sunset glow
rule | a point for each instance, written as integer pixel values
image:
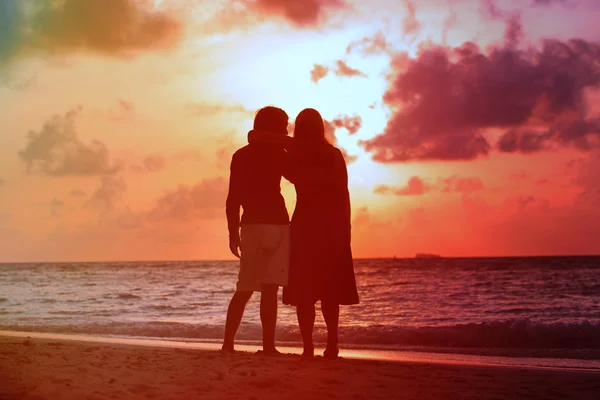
(470, 128)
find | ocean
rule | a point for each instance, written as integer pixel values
(529, 306)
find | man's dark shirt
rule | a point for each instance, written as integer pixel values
(255, 185)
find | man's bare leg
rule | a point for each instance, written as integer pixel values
(235, 312)
(268, 316)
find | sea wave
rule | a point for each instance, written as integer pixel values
(514, 334)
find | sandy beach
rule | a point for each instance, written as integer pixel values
(33, 368)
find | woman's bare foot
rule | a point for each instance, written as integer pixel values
(308, 354)
(269, 352)
(331, 354)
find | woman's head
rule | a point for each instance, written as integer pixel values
(309, 126)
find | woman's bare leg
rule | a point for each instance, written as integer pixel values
(306, 321)
(331, 314)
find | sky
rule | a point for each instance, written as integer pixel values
(470, 127)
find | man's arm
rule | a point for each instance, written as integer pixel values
(232, 207)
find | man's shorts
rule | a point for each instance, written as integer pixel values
(265, 256)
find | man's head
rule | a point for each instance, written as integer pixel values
(271, 119)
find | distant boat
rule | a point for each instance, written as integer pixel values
(427, 255)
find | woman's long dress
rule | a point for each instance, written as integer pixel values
(321, 266)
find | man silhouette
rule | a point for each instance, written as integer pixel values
(254, 185)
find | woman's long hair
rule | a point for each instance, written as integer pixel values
(309, 127)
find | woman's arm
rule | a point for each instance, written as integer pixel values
(341, 176)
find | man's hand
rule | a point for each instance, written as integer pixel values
(234, 246)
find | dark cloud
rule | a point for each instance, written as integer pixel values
(108, 196)
(204, 200)
(150, 164)
(56, 150)
(515, 140)
(446, 100)
(300, 13)
(415, 187)
(112, 27)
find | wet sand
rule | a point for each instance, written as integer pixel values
(35, 368)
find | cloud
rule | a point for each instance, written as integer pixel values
(362, 217)
(464, 185)
(515, 140)
(107, 197)
(77, 193)
(415, 187)
(203, 109)
(150, 164)
(115, 27)
(351, 123)
(410, 23)
(548, 2)
(186, 155)
(124, 111)
(341, 68)
(370, 45)
(519, 176)
(204, 200)
(318, 72)
(57, 207)
(1, 182)
(55, 150)
(300, 13)
(446, 100)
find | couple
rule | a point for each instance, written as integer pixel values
(311, 257)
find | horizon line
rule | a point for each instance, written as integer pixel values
(355, 259)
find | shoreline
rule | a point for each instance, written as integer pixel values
(47, 368)
(396, 356)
